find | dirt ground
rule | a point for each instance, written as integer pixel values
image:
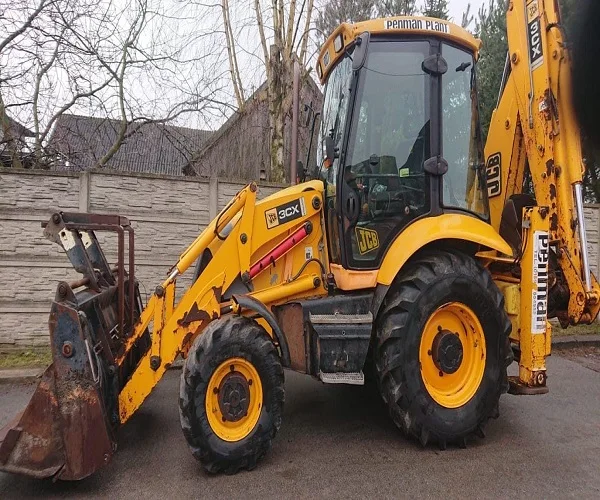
(588, 356)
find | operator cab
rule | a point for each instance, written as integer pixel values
(400, 137)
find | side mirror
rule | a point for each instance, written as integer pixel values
(360, 52)
(309, 114)
(331, 151)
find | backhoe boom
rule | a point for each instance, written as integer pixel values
(533, 129)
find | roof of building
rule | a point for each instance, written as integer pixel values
(82, 141)
(259, 97)
(16, 130)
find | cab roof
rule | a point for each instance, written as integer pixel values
(345, 34)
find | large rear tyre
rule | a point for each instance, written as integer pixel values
(231, 395)
(442, 348)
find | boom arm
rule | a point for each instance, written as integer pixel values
(534, 125)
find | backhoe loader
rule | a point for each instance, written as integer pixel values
(413, 256)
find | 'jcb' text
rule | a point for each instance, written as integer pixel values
(367, 240)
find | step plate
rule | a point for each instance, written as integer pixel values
(356, 378)
(341, 319)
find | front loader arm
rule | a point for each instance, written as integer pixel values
(534, 125)
(242, 246)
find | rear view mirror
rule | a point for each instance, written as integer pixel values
(360, 52)
(331, 151)
(309, 114)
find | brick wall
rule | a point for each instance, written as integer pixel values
(167, 213)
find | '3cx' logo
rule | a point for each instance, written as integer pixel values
(289, 211)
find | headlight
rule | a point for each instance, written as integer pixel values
(338, 43)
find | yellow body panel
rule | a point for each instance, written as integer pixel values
(512, 304)
(424, 231)
(534, 329)
(350, 279)
(526, 301)
(399, 25)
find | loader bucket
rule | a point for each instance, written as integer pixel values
(68, 429)
(64, 432)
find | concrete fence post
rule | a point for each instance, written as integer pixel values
(213, 197)
(84, 192)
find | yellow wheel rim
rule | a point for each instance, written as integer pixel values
(234, 399)
(452, 355)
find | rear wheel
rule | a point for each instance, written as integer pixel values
(231, 395)
(442, 348)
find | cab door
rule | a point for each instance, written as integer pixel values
(382, 186)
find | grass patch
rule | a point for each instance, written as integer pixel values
(30, 358)
(592, 329)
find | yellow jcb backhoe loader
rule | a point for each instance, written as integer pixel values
(413, 258)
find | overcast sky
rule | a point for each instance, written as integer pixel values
(457, 7)
(204, 16)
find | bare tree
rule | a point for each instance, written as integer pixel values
(436, 8)
(467, 17)
(290, 26)
(232, 53)
(133, 61)
(12, 29)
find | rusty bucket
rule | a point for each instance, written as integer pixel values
(68, 429)
(64, 432)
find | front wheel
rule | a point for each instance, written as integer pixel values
(442, 348)
(231, 395)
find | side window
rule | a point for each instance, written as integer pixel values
(335, 106)
(463, 186)
(335, 110)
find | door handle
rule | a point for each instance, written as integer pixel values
(352, 207)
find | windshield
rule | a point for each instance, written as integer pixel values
(391, 122)
(461, 138)
(404, 119)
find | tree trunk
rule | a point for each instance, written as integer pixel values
(276, 93)
(8, 139)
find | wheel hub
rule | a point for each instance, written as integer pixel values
(447, 351)
(234, 397)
